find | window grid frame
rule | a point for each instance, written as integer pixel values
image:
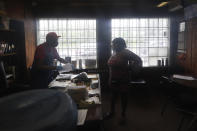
(84, 45)
(162, 30)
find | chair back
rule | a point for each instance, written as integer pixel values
(3, 80)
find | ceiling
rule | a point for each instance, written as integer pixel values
(120, 7)
(149, 3)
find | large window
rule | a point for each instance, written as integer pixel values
(78, 37)
(147, 37)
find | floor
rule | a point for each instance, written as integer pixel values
(144, 112)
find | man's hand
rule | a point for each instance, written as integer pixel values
(59, 68)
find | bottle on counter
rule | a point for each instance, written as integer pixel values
(166, 61)
(80, 64)
(159, 63)
(162, 62)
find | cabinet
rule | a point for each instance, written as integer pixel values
(12, 51)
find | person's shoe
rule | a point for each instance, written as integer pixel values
(108, 115)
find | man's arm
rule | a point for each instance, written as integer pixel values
(59, 58)
(62, 60)
(134, 60)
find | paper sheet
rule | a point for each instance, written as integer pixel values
(95, 99)
(81, 116)
(55, 83)
(94, 91)
(67, 67)
(64, 76)
(184, 77)
(93, 76)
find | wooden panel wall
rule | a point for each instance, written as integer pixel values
(30, 36)
(20, 10)
(191, 45)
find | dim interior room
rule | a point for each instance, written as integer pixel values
(161, 94)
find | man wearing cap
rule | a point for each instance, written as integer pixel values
(43, 69)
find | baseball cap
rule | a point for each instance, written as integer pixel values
(52, 35)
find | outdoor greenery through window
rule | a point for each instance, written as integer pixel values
(147, 37)
(78, 36)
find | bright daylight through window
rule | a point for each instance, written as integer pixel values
(78, 36)
(147, 37)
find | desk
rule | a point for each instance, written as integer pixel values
(181, 92)
(186, 83)
(94, 113)
(184, 90)
(182, 82)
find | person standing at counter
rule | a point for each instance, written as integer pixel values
(119, 64)
(43, 70)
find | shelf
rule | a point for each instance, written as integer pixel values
(6, 31)
(8, 57)
(8, 54)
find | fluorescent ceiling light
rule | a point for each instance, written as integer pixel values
(162, 4)
(176, 8)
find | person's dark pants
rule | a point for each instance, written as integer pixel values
(41, 79)
(115, 93)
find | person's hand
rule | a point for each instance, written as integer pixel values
(59, 68)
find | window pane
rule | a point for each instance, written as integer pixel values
(78, 37)
(163, 52)
(153, 52)
(153, 61)
(147, 37)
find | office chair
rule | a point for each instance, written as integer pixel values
(3, 80)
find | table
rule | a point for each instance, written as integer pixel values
(184, 97)
(186, 83)
(94, 113)
(182, 82)
(184, 90)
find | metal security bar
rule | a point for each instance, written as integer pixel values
(147, 37)
(78, 36)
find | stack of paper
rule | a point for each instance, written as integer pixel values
(81, 116)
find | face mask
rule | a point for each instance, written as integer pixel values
(53, 42)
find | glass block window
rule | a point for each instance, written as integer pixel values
(78, 36)
(146, 37)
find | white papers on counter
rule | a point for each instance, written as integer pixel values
(63, 77)
(94, 99)
(190, 78)
(81, 116)
(95, 91)
(95, 84)
(67, 67)
(62, 86)
(77, 93)
(92, 76)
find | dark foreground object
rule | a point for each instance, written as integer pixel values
(38, 110)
